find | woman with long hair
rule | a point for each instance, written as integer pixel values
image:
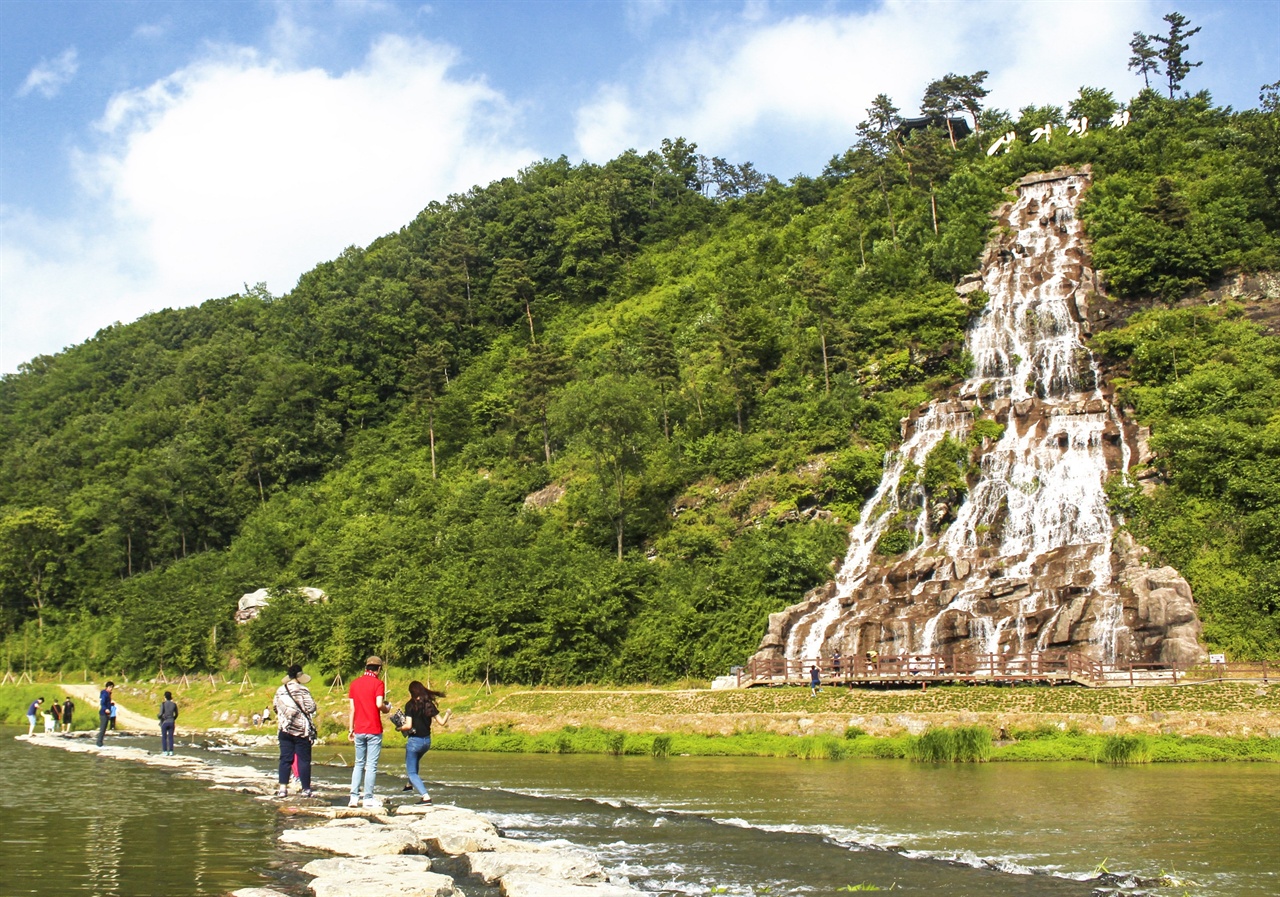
(416, 725)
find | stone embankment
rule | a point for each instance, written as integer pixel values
(393, 850)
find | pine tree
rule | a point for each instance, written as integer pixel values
(1176, 67)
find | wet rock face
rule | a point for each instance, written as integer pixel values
(1017, 553)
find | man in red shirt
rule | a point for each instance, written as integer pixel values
(367, 699)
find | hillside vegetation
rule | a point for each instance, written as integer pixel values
(596, 422)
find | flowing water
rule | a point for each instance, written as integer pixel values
(1020, 560)
(684, 826)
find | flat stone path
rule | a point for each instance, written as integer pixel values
(389, 851)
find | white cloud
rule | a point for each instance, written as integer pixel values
(50, 75)
(734, 91)
(238, 169)
(641, 14)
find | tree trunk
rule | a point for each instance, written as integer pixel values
(529, 314)
(826, 371)
(431, 433)
(666, 424)
(933, 203)
(893, 227)
(546, 436)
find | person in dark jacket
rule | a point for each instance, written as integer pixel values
(168, 723)
(416, 725)
(68, 709)
(105, 706)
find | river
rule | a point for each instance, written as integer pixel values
(82, 825)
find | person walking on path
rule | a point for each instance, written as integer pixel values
(68, 708)
(32, 712)
(168, 723)
(416, 725)
(367, 699)
(105, 706)
(295, 710)
(815, 680)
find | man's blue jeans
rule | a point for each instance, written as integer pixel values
(368, 748)
(414, 748)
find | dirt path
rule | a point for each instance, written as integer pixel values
(86, 697)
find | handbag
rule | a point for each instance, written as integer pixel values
(399, 720)
(312, 734)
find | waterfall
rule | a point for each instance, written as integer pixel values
(1025, 562)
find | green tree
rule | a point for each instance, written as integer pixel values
(33, 547)
(1095, 104)
(426, 377)
(606, 417)
(1173, 50)
(1145, 58)
(539, 372)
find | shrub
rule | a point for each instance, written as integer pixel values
(661, 746)
(616, 743)
(1121, 750)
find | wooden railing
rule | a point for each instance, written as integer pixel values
(1047, 666)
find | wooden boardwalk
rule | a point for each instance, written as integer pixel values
(1048, 668)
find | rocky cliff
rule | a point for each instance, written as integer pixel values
(990, 531)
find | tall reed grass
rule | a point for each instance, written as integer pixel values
(1122, 750)
(967, 744)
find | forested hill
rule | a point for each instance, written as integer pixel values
(596, 422)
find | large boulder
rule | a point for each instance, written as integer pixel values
(252, 603)
(515, 858)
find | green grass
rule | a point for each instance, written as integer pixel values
(968, 744)
(203, 702)
(14, 700)
(1122, 750)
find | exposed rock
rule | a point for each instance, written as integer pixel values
(451, 830)
(1027, 559)
(536, 886)
(516, 858)
(405, 875)
(355, 838)
(252, 603)
(545, 497)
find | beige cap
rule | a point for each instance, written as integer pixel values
(373, 660)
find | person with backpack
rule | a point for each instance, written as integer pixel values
(168, 723)
(296, 730)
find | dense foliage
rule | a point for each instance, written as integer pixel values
(573, 425)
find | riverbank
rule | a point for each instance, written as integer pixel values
(1217, 721)
(402, 847)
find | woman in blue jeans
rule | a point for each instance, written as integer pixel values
(416, 725)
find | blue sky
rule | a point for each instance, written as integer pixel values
(157, 154)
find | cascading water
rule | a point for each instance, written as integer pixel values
(1024, 561)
